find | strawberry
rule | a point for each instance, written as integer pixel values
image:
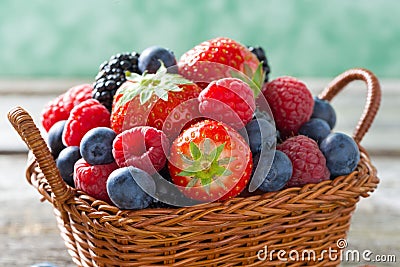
(210, 161)
(162, 100)
(221, 58)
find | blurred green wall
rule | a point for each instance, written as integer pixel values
(70, 38)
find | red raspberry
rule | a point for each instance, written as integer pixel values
(143, 147)
(291, 104)
(309, 164)
(93, 179)
(59, 108)
(87, 115)
(228, 100)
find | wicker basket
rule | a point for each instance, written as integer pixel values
(236, 232)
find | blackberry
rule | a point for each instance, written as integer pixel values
(260, 54)
(112, 74)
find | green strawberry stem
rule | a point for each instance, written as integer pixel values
(253, 79)
(204, 165)
(149, 84)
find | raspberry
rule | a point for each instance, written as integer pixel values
(228, 100)
(291, 104)
(87, 115)
(59, 108)
(309, 164)
(141, 147)
(93, 179)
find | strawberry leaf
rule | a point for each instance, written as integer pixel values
(220, 170)
(175, 79)
(220, 184)
(132, 76)
(162, 70)
(186, 173)
(186, 159)
(227, 172)
(226, 160)
(161, 93)
(248, 71)
(241, 76)
(145, 95)
(219, 150)
(207, 144)
(192, 182)
(147, 85)
(194, 151)
(259, 76)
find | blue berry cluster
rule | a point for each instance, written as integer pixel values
(272, 168)
(340, 150)
(128, 188)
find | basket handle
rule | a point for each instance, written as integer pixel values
(373, 96)
(30, 134)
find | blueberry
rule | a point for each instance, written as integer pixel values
(341, 153)
(262, 162)
(279, 173)
(316, 129)
(260, 133)
(54, 138)
(96, 146)
(65, 163)
(324, 110)
(262, 114)
(149, 59)
(131, 188)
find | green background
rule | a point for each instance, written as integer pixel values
(70, 38)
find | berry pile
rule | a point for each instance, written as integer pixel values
(156, 132)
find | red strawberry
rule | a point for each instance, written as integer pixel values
(228, 100)
(59, 108)
(210, 161)
(93, 179)
(87, 115)
(291, 104)
(143, 147)
(309, 164)
(220, 58)
(162, 100)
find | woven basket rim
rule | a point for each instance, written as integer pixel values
(352, 182)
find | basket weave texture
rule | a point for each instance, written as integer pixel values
(243, 231)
